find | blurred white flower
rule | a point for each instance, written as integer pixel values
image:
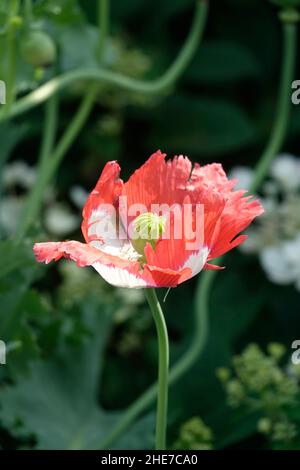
(275, 238)
(286, 171)
(10, 211)
(282, 262)
(18, 173)
(291, 251)
(243, 174)
(276, 265)
(78, 196)
(59, 220)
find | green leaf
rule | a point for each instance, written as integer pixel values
(222, 61)
(57, 403)
(15, 256)
(71, 39)
(203, 126)
(18, 270)
(231, 321)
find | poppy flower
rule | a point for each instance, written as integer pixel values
(144, 250)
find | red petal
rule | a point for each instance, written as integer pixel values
(213, 267)
(239, 211)
(158, 182)
(157, 277)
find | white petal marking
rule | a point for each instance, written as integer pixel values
(196, 261)
(111, 240)
(119, 277)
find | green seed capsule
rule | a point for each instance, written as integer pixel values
(38, 49)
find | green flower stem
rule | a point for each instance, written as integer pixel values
(49, 134)
(52, 160)
(28, 11)
(47, 170)
(103, 15)
(151, 87)
(163, 369)
(177, 370)
(206, 279)
(283, 106)
(36, 193)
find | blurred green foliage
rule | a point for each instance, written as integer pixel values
(260, 385)
(80, 351)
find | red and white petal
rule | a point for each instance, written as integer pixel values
(101, 226)
(102, 203)
(149, 276)
(185, 247)
(110, 252)
(121, 277)
(196, 261)
(81, 253)
(114, 270)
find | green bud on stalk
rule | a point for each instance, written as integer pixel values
(38, 49)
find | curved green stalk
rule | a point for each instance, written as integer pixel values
(163, 368)
(49, 167)
(206, 279)
(151, 87)
(34, 202)
(283, 106)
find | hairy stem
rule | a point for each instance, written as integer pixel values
(177, 370)
(163, 369)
